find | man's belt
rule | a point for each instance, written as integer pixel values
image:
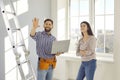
(45, 63)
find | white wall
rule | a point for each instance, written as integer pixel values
(117, 40)
(58, 13)
(2, 61)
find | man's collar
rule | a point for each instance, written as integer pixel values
(46, 33)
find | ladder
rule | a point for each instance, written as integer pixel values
(21, 44)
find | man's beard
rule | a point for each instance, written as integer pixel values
(47, 30)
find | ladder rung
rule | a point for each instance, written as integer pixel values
(31, 77)
(14, 29)
(23, 62)
(9, 12)
(18, 46)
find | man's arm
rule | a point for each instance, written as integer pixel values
(35, 26)
(33, 31)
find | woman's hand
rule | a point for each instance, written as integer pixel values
(83, 52)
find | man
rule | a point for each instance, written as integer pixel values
(44, 39)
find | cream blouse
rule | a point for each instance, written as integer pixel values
(89, 46)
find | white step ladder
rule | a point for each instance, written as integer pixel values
(21, 44)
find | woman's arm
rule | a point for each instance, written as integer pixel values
(83, 52)
(90, 49)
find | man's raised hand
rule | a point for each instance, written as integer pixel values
(35, 23)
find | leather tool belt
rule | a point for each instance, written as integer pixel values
(45, 63)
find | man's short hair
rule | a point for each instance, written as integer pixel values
(48, 20)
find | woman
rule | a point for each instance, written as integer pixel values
(86, 49)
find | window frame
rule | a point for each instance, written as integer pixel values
(91, 20)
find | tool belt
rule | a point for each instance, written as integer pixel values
(45, 63)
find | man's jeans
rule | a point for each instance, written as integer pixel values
(87, 69)
(45, 74)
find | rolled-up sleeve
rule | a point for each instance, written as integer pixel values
(35, 36)
(91, 46)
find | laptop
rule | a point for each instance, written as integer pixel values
(60, 46)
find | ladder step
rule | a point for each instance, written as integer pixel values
(31, 77)
(13, 13)
(23, 62)
(13, 29)
(16, 46)
(20, 45)
(16, 29)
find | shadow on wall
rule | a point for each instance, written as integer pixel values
(2, 55)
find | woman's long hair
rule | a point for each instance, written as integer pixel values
(89, 31)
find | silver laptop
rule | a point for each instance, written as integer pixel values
(60, 46)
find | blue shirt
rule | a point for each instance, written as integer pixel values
(44, 44)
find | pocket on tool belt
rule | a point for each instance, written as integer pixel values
(43, 65)
(54, 64)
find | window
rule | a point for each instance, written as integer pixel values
(104, 25)
(100, 14)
